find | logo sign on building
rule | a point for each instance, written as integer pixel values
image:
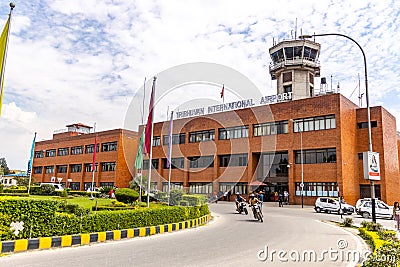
(371, 166)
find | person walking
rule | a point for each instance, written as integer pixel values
(286, 197)
(261, 198)
(280, 199)
(396, 215)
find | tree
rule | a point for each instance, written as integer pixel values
(3, 166)
(135, 183)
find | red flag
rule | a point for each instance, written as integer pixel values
(149, 125)
(222, 92)
(94, 154)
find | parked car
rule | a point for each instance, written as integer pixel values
(359, 203)
(96, 189)
(331, 204)
(57, 187)
(381, 209)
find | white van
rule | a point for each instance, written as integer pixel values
(331, 204)
(57, 187)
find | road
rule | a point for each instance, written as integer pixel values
(230, 239)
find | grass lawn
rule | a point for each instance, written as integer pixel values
(86, 202)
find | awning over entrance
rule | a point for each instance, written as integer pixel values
(257, 183)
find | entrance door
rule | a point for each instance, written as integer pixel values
(271, 189)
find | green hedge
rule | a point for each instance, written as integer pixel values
(94, 208)
(15, 194)
(195, 200)
(126, 195)
(1, 188)
(83, 193)
(16, 191)
(49, 218)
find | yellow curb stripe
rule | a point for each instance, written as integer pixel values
(169, 227)
(101, 236)
(85, 239)
(142, 231)
(130, 233)
(117, 234)
(161, 229)
(44, 242)
(66, 240)
(20, 245)
(152, 230)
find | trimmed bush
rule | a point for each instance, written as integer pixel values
(175, 196)
(48, 190)
(15, 194)
(126, 195)
(1, 188)
(15, 190)
(83, 193)
(194, 200)
(184, 203)
(35, 190)
(5, 232)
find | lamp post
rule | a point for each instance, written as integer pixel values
(368, 108)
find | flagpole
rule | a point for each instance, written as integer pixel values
(31, 163)
(170, 156)
(140, 172)
(3, 63)
(151, 143)
(94, 161)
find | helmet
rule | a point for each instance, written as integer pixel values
(237, 193)
(252, 195)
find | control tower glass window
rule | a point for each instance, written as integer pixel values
(277, 56)
(310, 53)
(287, 88)
(293, 52)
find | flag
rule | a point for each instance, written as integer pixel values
(3, 56)
(139, 156)
(94, 154)
(222, 91)
(149, 125)
(32, 154)
(170, 141)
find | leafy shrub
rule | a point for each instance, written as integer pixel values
(1, 188)
(47, 189)
(67, 207)
(35, 190)
(15, 194)
(161, 196)
(387, 235)
(116, 203)
(347, 222)
(371, 226)
(385, 256)
(126, 195)
(15, 190)
(175, 196)
(83, 193)
(195, 200)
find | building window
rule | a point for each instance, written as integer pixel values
(287, 88)
(37, 170)
(233, 132)
(270, 128)
(88, 185)
(201, 162)
(360, 156)
(176, 139)
(241, 188)
(49, 169)
(106, 184)
(51, 153)
(76, 150)
(176, 163)
(313, 156)
(287, 77)
(75, 186)
(90, 148)
(200, 188)
(273, 165)
(146, 164)
(226, 187)
(111, 146)
(173, 186)
(233, 160)
(63, 151)
(314, 124)
(62, 168)
(76, 167)
(108, 166)
(156, 141)
(88, 167)
(313, 189)
(39, 154)
(202, 136)
(362, 125)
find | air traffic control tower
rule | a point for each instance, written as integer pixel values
(295, 65)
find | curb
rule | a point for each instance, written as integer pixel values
(41, 243)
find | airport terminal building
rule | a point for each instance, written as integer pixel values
(308, 142)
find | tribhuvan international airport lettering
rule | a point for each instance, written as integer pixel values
(265, 100)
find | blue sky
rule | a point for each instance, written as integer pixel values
(83, 61)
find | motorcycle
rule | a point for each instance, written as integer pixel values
(257, 212)
(242, 208)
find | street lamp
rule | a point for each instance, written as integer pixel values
(368, 108)
(301, 162)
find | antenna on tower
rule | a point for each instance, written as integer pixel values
(295, 30)
(360, 95)
(338, 88)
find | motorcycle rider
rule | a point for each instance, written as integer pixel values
(238, 200)
(253, 201)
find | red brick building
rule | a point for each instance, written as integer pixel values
(69, 155)
(309, 136)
